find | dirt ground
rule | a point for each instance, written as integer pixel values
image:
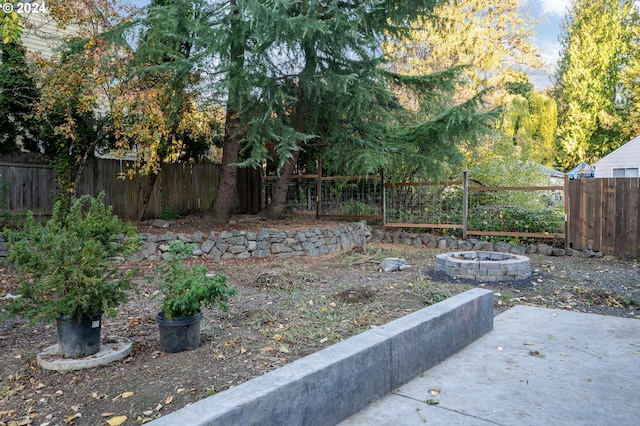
(284, 310)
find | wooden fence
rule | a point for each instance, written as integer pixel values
(27, 183)
(604, 215)
(601, 214)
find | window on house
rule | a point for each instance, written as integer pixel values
(626, 172)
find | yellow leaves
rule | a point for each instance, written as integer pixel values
(126, 394)
(69, 420)
(117, 421)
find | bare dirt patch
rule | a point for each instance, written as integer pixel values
(285, 309)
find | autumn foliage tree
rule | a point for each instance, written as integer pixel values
(122, 83)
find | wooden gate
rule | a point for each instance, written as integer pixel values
(603, 215)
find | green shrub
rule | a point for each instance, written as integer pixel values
(516, 219)
(186, 289)
(67, 266)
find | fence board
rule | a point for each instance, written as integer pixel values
(604, 215)
(179, 189)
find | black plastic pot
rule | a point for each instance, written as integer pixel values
(79, 338)
(179, 334)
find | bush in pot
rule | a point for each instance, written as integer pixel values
(67, 270)
(184, 290)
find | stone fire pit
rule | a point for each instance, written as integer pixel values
(484, 265)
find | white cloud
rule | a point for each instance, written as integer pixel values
(554, 7)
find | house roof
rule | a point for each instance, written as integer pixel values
(548, 170)
(581, 170)
(632, 146)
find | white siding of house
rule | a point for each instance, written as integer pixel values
(41, 34)
(625, 157)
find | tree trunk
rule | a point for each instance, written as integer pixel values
(146, 195)
(224, 202)
(275, 209)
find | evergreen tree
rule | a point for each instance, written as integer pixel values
(595, 49)
(630, 93)
(322, 88)
(18, 95)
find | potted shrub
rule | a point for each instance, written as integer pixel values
(67, 271)
(184, 291)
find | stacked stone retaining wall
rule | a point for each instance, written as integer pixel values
(317, 241)
(240, 244)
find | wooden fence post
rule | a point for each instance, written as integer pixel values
(465, 202)
(567, 212)
(384, 199)
(319, 188)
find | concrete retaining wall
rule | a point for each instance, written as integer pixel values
(331, 385)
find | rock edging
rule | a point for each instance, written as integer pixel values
(474, 244)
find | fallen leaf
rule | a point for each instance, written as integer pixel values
(529, 343)
(284, 349)
(266, 349)
(108, 414)
(116, 421)
(432, 402)
(126, 394)
(148, 412)
(536, 353)
(158, 407)
(434, 391)
(168, 400)
(69, 420)
(180, 390)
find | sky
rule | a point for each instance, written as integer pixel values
(550, 14)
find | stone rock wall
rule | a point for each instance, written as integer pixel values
(316, 241)
(473, 244)
(266, 242)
